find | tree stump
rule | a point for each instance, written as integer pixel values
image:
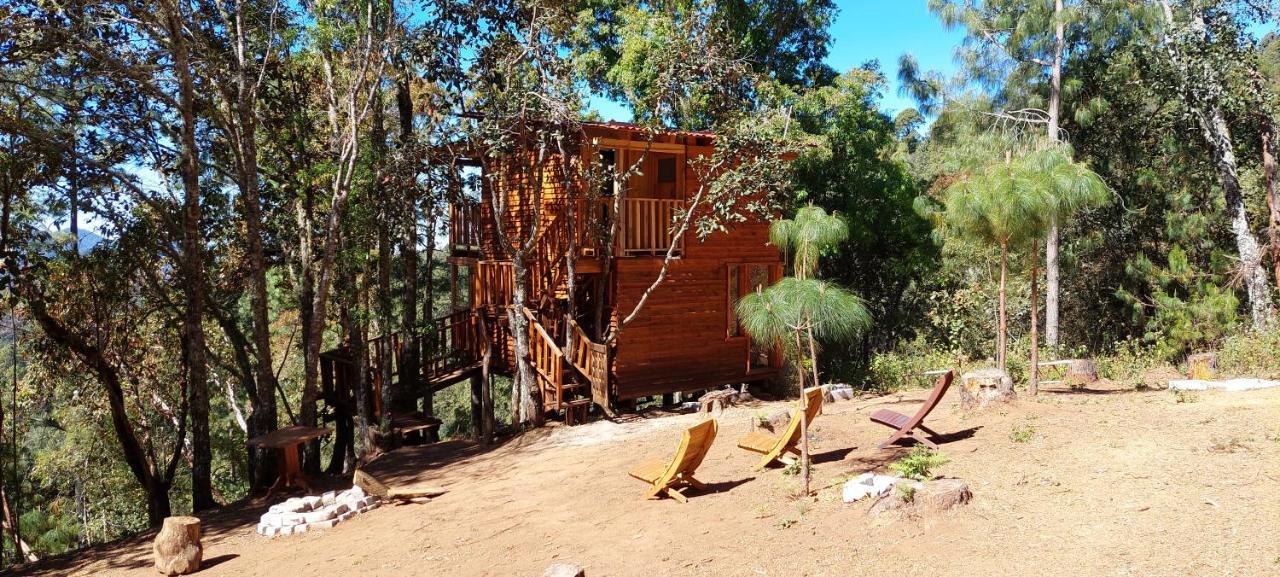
(1202, 366)
(983, 387)
(177, 547)
(1082, 372)
(716, 401)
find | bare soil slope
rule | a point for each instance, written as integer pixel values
(1110, 482)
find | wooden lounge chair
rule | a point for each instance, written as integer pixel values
(906, 426)
(773, 447)
(668, 477)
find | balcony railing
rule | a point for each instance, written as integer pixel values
(464, 227)
(646, 226)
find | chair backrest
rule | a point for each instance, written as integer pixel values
(813, 404)
(694, 444)
(939, 389)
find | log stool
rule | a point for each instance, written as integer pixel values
(177, 547)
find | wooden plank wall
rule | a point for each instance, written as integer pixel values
(680, 341)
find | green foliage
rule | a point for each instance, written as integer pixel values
(1022, 433)
(1250, 354)
(919, 463)
(904, 367)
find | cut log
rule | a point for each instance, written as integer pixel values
(373, 486)
(177, 547)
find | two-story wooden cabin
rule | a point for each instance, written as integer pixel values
(686, 336)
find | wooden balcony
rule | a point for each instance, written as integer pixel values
(647, 225)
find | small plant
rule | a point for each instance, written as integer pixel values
(762, 420)
(793, 468)
(906, 492)
(787, 523)
(919, 463)
(1181, 396)
(1022, 433)
(762, 510)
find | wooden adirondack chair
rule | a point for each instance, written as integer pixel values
(668, 477)
(906, 426)
(773, 447)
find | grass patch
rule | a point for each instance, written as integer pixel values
(1022, 433)
(1180, 396)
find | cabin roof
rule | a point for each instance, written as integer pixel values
(636, 128)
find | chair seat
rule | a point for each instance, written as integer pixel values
(891, 418)
(649, 471)
(758, 441)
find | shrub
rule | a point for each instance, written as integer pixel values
(903, 367)
(1250, 354)
(919, 463)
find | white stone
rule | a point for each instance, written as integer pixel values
(311, 502)
(288, 519)
(357, 491)
(340, 508)
(867, 485)
(277, 508)
(270, 518)
(328, 498)
(369, 500)
(300, 528)
(347, 515)
(287, 529)
(317, 516)
(293, 505)
(270, 531)
(324, 524)
(1226, 385)
(372, 506)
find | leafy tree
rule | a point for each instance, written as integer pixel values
(799, 311)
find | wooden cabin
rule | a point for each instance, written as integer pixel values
(686, 337)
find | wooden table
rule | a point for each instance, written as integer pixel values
(286, 442)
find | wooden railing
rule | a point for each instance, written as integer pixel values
(492, 284)
(546, 260)
(646, 226)
(547, 361)
(464, 226)
(592, 360)
(455, 343)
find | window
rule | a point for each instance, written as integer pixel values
(743, 279)
(667, 170)
(735, 293)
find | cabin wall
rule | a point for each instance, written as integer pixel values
(524, 184)
(681, 339)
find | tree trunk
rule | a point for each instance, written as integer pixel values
(1273, 197)
(525, 398)
(411, 367)
(264, 418)
(1034, 369)
(193, 274)
(1214, 128)
(135, 456)
(1000, 329)
(1051, 242)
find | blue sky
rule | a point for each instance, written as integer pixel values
(874, 30)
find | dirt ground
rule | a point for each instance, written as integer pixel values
(1110, 482)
